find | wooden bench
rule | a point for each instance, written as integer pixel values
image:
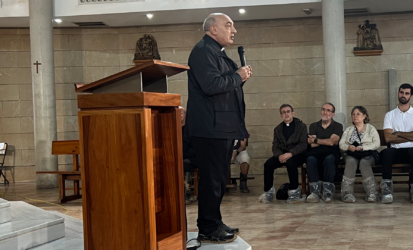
(67, 148)
(398, 169)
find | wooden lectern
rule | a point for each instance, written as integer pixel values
(131, 153)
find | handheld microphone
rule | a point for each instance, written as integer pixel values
(242, 56)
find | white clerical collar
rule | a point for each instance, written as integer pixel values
(222, 48)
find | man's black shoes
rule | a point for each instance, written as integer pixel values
(230, 230)
(219, 236)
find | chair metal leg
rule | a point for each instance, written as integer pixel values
(6, 182)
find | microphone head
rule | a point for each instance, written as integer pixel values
(240, 50)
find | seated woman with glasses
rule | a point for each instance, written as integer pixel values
(360, 142)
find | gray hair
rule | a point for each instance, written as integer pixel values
(210, 21)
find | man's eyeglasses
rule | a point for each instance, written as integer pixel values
(285, 112)
(326, 110)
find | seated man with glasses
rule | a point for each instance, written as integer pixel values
(288, 148)
(324, 155)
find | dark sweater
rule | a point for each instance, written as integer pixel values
(296, 144)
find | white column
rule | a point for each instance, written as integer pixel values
(44, 94)
(334, 57)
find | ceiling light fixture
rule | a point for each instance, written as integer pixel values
(149, 15)
(58, 20)
(242, 11)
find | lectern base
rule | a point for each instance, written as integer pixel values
(238, 244)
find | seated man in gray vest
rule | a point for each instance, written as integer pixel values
(288, 148)
(324, 155)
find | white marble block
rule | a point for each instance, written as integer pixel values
(238, 244)
(5, 213)
(29, 227)
(73, 239)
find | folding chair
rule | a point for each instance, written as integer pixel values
(3, 152)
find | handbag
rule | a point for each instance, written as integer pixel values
(363, 154)
(282, 192)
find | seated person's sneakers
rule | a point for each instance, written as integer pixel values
(328, 192)
(231, 230)
(371, 187)
(294, 196)
(313, 198)
(219, 236)
(267, 197)
(386, 186)
(315, 190)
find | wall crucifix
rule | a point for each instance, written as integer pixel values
(37, 66)
(368, 40)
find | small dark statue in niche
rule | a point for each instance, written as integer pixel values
(368, 40)
(147, 48)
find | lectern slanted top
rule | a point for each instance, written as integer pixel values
(149, 77)
(131, 152)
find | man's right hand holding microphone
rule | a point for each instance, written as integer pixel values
(245, 72)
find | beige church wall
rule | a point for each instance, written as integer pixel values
(286, 56)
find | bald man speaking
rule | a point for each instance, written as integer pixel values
(215, 118)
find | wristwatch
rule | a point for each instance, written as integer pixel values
(315, 140)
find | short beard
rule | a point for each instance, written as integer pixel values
(404, 102)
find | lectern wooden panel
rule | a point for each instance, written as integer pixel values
(132, 169)
(132, 179)
(119, 174)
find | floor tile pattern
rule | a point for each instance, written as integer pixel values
(280, 225)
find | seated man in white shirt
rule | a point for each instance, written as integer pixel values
(398, 130)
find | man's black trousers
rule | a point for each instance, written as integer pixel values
(390, 156)
(213, 157)
(292, 165)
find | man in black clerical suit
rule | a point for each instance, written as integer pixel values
(215, 117)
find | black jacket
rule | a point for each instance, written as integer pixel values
(296, 144)
(216, 107)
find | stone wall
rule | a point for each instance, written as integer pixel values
(286, 56)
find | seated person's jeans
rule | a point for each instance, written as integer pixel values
(324, 166)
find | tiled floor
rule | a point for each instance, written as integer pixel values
(280, 225)
(47, 199)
